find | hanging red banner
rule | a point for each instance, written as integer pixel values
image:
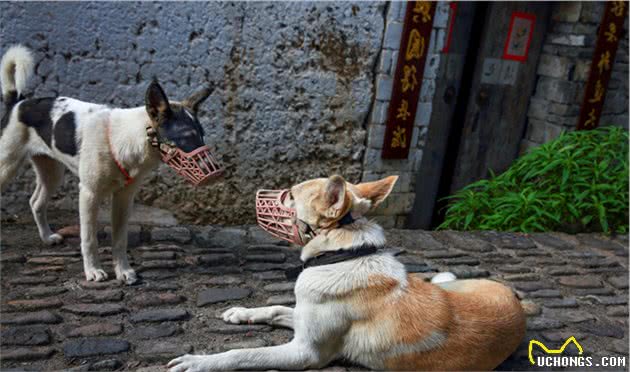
(610, 31)
(414, 46)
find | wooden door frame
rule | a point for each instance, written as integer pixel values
(449, 120)
(452, 90)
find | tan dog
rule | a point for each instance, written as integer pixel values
(368, 309)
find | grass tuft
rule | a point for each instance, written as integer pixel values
(575, 183)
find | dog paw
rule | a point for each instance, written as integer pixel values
(236, 315)
(52, 239)
(188, 363)
(128, 276)
(97, 275)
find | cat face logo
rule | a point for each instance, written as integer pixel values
(553, 351)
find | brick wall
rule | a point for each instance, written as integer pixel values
(563, 70)
(393, 212)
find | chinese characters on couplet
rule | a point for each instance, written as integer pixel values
(408, 79)
(601, 65)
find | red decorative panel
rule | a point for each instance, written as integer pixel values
(414, 45)
(610, 31)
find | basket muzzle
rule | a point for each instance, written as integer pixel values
(275, 217)
(198, 166)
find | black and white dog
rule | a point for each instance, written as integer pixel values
(110, 149)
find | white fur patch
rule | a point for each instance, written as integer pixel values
(15, 69)
(443, 278)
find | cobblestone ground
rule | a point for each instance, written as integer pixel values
(52, 319)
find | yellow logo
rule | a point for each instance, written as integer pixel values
(553, 351)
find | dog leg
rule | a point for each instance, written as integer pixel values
(280, 316)
(89, 202)
(295, 355)
(122, 203)
(49, 177)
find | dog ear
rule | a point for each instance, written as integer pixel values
(156, 102)
(377, 191)
(334, 196)
(197, 98)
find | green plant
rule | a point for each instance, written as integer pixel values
(576, 183)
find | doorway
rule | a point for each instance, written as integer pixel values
(481, 100)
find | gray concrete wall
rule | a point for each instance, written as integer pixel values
(295, 80)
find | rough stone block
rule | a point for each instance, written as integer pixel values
(536, 131)
(552, 132)
(393, 32)
(379, 112)
(396, 203)
(134, 235)
(423, 114)
(214, 295)
(568, 40)
(440, 20)
(40, 317)
(34, 335)
(97, 329)
(152, 332)
(395, 54)
(374, 162)
(177, 234)
(376, 135)
(162, 350)
(394, 11)
(427, 91)
(431, 66)
(94, 309)
(564, 109)
(566, 11)
(92, 346)
(159, 315)
(26, 354)
(228, 238)
(554, 66)
(556, 90)
(440, 41)
(403, 184)
(384, 86)
(385, 63)
(592, 12)
(538, 109)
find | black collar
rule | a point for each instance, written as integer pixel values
(346, 219)
(329, 258)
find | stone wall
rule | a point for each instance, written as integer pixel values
(563, 70)
(393, 212)
(295, 86)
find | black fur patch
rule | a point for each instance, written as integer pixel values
(65, 134)
(35, 113)
(10, 100)
(180, 128)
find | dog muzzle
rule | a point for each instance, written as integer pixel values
(279, 220)
(198, 166)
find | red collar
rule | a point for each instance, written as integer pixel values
(128, 178)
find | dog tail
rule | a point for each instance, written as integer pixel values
(443, 277)
(16, 67)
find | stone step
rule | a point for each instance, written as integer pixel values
(97, 329)
(159, 315)
(25, 336)
(215, 295)
(86, 347)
